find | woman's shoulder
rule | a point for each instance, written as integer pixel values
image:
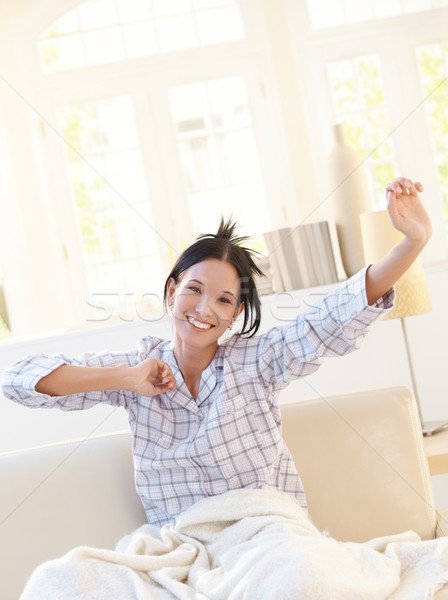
(153, 345)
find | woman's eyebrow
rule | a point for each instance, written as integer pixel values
(229, 292)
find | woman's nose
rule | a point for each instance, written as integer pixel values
(203, 306)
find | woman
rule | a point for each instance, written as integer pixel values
(204, 414)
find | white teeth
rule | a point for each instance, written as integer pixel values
(198, 324)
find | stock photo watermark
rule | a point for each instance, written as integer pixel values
(131, 307)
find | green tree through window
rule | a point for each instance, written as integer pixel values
(433, 65)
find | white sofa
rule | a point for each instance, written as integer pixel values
(360, 455)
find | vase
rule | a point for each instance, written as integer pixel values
(350, 197)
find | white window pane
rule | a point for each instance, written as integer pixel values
(135, 240)
(103, 46)
(124, 173)
(416, 5)
(119, 136)
(163, 8)
(116, 119)
(118, 109)
(220, 25)
(140, 39)
(145, 232)
(377, 128)
(189, 107)
(57, 54)
(90, 187)
(111, 197)
(199, 163)
(343, 85)
(130, 244)
(205, 209)
(200, 4)
(357, 10)
(134, 10)
(68, 23)
(239, 157)
(387, 8)
(325, 13)
(94, 14)
(246, 203)
(176, 33)
(229, 103)
(369, 81)
(81, 129)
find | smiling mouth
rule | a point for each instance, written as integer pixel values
(199, 324)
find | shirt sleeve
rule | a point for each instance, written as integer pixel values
(20, 379)
(334, 326)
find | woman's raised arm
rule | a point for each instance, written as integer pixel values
(408, 216)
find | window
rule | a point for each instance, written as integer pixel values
(359, 102)
(219, 154)
(111, 204)
(154, 152)
(433, 66)
(104, 31)
(381, 68)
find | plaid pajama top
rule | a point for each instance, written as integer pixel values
(230, 437)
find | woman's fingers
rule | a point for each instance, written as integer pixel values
(419, 186)
(166, 375)
(403, 185)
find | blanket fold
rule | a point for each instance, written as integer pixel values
(250, 544)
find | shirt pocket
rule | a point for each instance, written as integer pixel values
(230, 407)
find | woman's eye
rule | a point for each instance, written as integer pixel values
(193, 289)
(225, 300)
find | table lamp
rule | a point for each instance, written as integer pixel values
(411, 292)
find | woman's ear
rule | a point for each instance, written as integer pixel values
(170, 289)
(238, 311)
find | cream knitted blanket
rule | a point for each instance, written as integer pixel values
(245, 545)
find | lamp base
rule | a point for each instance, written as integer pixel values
(431, 427)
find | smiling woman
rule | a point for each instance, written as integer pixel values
(197, 374)
(204, 411)
(210, 285)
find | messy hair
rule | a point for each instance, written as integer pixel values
(225, 245)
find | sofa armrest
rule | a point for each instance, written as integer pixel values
(362, 462)
(442, 523)
(59, 496)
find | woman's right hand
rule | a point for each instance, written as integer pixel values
(152, 377)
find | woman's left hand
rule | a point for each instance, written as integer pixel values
(406, 210)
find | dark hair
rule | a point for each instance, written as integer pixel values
(226, 245)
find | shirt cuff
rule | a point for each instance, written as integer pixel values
(40, 366)
(355, 286)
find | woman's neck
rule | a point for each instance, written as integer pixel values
(192, 362)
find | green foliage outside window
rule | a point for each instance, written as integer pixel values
(359, 103)
(433, 65)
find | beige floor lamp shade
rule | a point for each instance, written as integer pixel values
(412, 296)
(379, 236)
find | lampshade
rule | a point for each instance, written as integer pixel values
(379, 236)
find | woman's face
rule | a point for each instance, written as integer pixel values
(205, 302)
